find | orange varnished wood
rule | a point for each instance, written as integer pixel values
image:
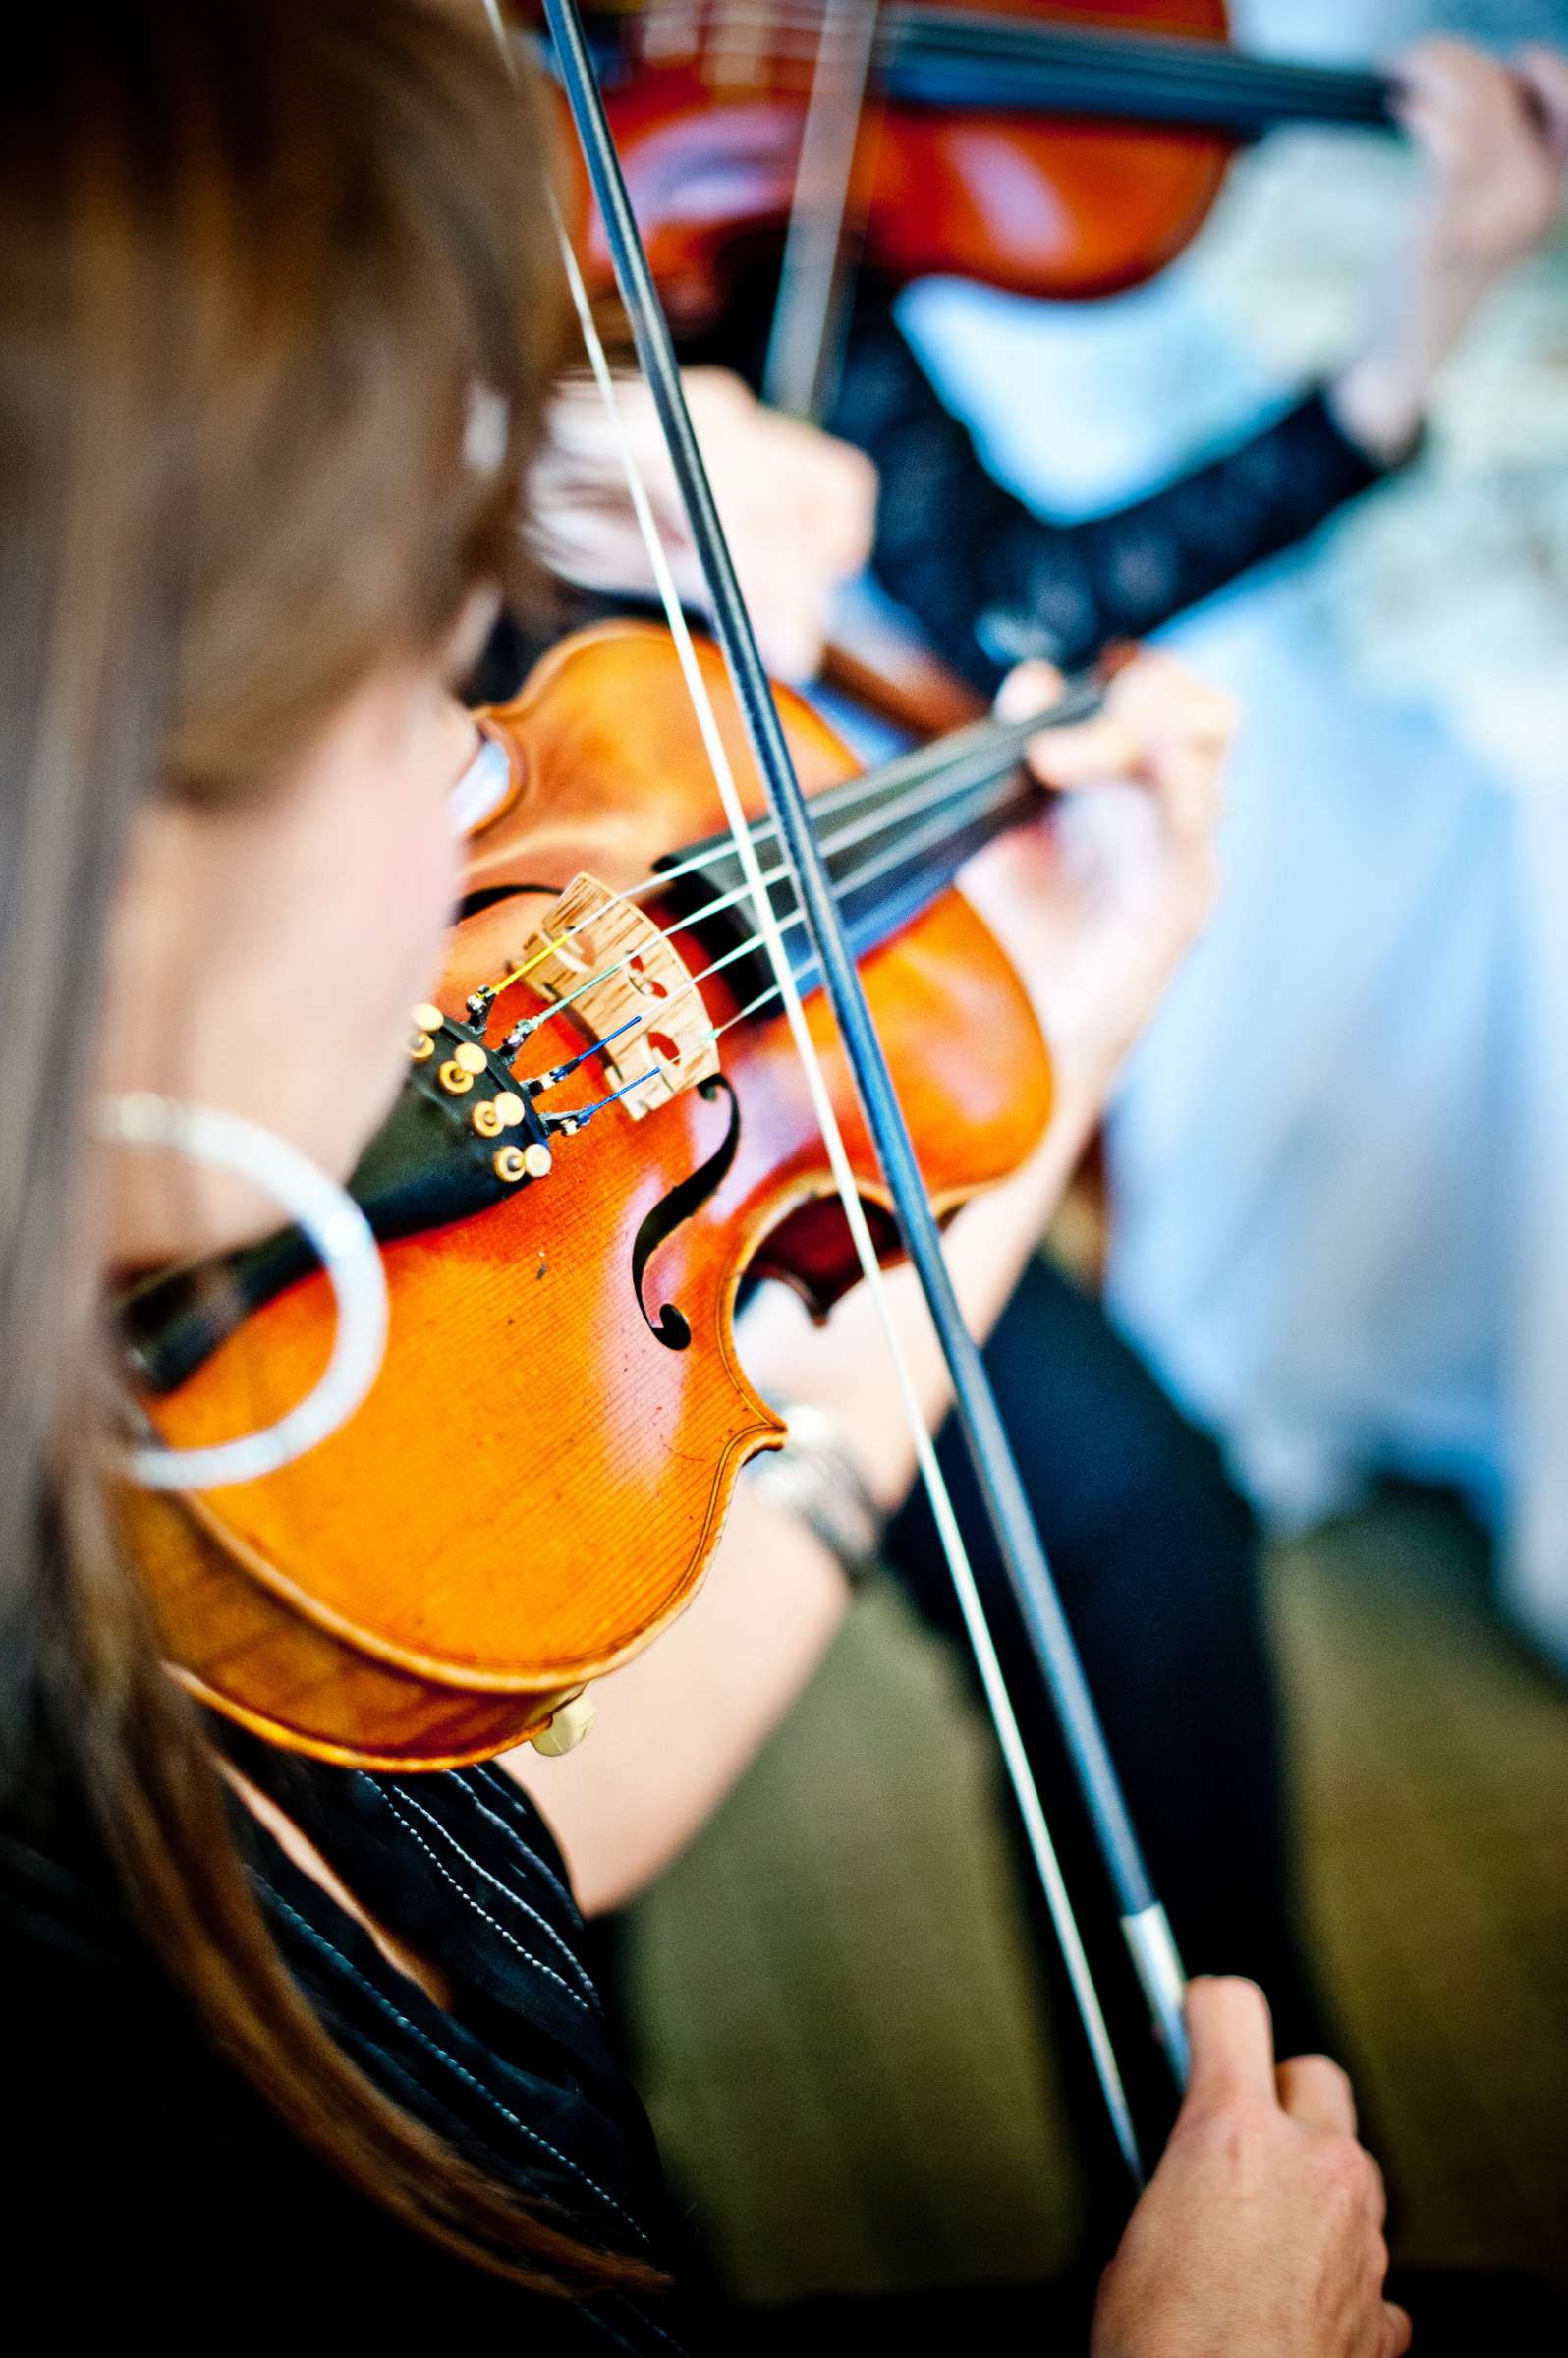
(246, 1649)
(535, 1484)
(1043, 205)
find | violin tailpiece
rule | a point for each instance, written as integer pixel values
(460, 1140)
(638, 985)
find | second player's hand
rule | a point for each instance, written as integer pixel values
(1495, 136)
(1493, 141)
(797, 505)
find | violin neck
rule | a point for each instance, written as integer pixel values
(895, 838)
(1013, 65)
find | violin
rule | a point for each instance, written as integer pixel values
(604, 1131)
(1048, 146)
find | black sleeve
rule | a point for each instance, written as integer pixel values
(991, 582)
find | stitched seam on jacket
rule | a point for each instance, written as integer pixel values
(363, 1982)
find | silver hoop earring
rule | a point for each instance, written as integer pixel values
(341, 1238)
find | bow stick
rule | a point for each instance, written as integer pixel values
(806, 347)
(1144, 1922)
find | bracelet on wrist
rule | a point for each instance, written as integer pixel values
(816, 1476)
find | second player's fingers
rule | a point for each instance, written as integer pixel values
(1087, 752)
(1191, 791)
(1028, 687)
(1172, 705)
(1077, 756)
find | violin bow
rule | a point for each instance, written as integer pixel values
(1145, 1929)
(811, 310)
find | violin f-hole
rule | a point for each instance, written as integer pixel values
(684, 1200)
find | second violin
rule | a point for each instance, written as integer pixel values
(1053, 150)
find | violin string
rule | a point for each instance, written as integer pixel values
(978, 804)
(944, 782)
(867, 873)
(1166, 68)
(634, 279)
(967, 31)
(858, 877)
(965, 756)
(596, 1047)
(584, 1113)
(949, 798)
(994, 739)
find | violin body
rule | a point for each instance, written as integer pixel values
(1058, 205)
(539, 1476)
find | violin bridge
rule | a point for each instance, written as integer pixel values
(618, 970)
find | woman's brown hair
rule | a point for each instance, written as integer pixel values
(261, 266)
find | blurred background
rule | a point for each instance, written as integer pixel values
(1338, 1225)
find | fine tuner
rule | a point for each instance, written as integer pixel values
(492, 1116)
